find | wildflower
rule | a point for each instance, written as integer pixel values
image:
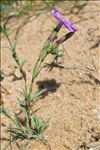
(65, 22)
(52, 42)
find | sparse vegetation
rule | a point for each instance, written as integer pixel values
(58, 108)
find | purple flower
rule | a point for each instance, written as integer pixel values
(65, 22)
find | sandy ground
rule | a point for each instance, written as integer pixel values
(72, 101)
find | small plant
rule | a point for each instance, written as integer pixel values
(29, 126)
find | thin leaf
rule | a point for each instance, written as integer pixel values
(17, 120)
(25, 110)
(4, 112)
(37, 95)
(17, 134)
(22, 103)
(22, 64)
(23, 92)
(45, 125)
(37, 125)
(36, 71)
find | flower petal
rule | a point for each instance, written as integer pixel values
(65, 22)
(56, 14)
(69, 25)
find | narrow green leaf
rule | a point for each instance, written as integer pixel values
(42, 55)
(22, 103)
(37, 95)
(17, 120)
(37, 124)
(45, 125)
(22, 64)
(16, 133)
(4, 112)
(25, 110)
(36, 71)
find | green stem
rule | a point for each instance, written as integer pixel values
(48, 47)
(14, 54)
(7, 38)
